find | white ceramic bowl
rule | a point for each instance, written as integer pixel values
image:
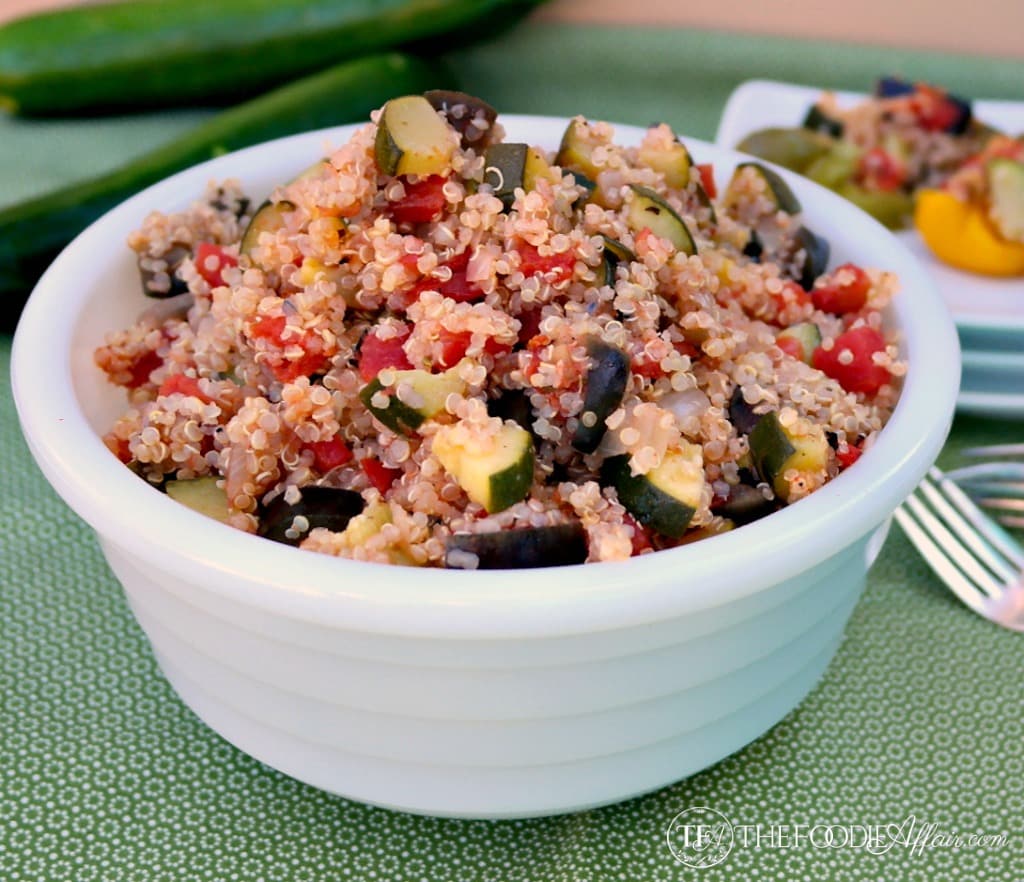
(473, 694)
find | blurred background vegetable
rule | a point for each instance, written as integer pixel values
(161, 53)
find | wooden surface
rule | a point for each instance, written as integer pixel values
(991, 27)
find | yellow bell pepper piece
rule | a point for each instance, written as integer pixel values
(959, 233)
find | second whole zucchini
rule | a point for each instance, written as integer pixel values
(34, 231)
(130, 54)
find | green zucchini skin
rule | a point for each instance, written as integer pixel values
(34, 231)
(129, 54)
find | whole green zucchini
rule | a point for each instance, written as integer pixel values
(151, 53)
(34, 231)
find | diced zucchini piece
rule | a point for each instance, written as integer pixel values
(317, 170)
(495, 471)
(312, 271)
(792, 148)
(893, 208)
(818, 121)
(463, 120)
(523, 548)
(269, 218)
(589, 187)
(807, 334)
(412, 139)
(673, 161)
(536, 168)
(329, 507)
(505, 170)
(776, 189)
(613, 254)
(774, 450)
(413, 397)
(647, 209)
(705, 200)
(667, 497)
(836, 166)
(816, 253)
(603, 389)
(897, 147)
(575, 151)
(201, 495)
(366, 524)
(617, 250)
(1006, 195)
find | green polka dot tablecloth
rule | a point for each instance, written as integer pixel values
(913, 738)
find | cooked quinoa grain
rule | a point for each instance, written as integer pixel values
(593, 366)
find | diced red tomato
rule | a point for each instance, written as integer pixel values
(880, 170)
(685, 347)
(453, 348)
(849, 295)
(211, 260)
(531, 262)
(933, 108)
(408, 260)
(791, 294)
(330, 454)
(529, 325)
(119, 447)
(314, 357)
(454, 345)
(375, 354)
(458, 287)
(422, 203)
(707, 178)
(142, 367)
(791, 346)
(185, 385)
(649, 370)
(850, 360)
(379, 474)
(268, 328)
(848, 454)
(641, 538)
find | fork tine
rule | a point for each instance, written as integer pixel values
(951, 547)
(995, 450)
(1003, 542)
(964, 532)
(994, 471)
(940, 564)
(1008, 489)
(1011, 521)
(1005, 503)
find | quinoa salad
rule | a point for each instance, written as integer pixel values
(434, 347)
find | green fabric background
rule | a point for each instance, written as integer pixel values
(105, 775)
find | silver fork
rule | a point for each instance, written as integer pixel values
(977, 559)
(996, 485)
